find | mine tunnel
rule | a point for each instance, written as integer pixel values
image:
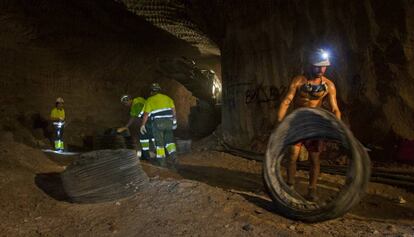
(240, 130)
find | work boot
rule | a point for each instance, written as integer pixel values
(312, 196)
(172, 163)
(161, 162)
(172, 159)
(145, 156)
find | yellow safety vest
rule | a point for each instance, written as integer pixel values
(137, 106)
(57, 114)
(159, 104)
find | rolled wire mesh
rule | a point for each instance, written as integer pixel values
(310, 124)
(104, 175)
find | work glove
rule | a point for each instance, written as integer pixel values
(143, 130)
(174, 124)
(120, 130)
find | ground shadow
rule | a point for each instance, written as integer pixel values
(223, 178)
(251, 187)
(261, 202)
(51, 184)
(378, 207)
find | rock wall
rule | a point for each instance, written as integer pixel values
(264, 44)
(88, 52)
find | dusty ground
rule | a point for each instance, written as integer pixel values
(211, 194)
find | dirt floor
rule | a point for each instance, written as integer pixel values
(210, 194)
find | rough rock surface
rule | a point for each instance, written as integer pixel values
(89, 53)
(211, 194)
(264, 43)
(92, 52)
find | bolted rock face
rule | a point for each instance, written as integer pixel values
(264, 44)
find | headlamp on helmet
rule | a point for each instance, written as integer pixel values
(320, 58)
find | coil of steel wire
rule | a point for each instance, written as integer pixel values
(311, 123)
(104, 175)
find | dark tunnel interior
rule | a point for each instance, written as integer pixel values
(228, 67)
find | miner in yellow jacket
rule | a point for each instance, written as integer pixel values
(57, 116)
(136, 106)
(160, 109)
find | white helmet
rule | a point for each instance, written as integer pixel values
(125, 98)
(155, 87)
(320, 58)
(59, 100)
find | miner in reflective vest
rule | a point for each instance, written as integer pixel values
(57, 116)
(136, 106)
(160, 109)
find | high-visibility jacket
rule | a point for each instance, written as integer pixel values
(136, 107)
(159, 106)
(57, 114)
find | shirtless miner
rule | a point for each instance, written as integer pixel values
(309, 90)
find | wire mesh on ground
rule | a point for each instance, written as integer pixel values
(104, 175)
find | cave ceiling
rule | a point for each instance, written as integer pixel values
(175, 18)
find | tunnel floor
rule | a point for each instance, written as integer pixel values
(209, 194)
